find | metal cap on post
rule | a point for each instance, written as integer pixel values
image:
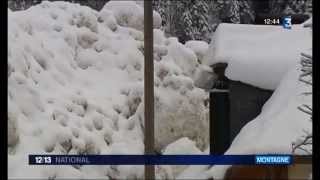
(148, 87)
(219, 112)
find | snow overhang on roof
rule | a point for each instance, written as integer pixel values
(258, 55)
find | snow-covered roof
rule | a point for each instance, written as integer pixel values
(280, 123)
(259, 55)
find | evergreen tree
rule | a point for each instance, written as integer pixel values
(200, 12)
(309, 7)
(234, 11)
(185, 19)
(277, 6)
(237, 11)
(215, 7)
(290, 7)
(187, 30)
(247, 12)
(298, 7)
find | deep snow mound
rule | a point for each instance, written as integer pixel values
(75, 86)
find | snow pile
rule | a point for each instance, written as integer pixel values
(181, 146)
(199, 47)
(75, 86)
(265, 53)
(130, 14)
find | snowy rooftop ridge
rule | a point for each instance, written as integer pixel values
(258, 55)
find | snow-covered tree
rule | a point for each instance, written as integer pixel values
(194, 20)
(309, 7)
(200, 19)
(237, 11)
(277, 6)
(190, 19)
(185, 19)
(169, 14)
(290, 6)
(234, 11)
(296, 7)
(247, 13)
(215, 7)
(304, 143)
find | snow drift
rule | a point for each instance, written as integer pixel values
(75, 86)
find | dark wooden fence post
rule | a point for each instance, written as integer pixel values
(148, 87)
(219, 112)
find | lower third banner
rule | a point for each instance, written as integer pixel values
(160, 159)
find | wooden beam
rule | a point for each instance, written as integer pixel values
(302, 159)
(148, 87)
(266, 171)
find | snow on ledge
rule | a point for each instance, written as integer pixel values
(258, 55)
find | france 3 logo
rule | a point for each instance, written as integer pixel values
(286, 22)
(43, 160)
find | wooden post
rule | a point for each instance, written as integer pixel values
(219, 112)
(148, 87)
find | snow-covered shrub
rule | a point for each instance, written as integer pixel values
(86, 38)
(106, 17)
(185, 58)
(86, 18)
(158, 37)
(199, 48)
(130, 14)
(181, 146)
(75, 86)
(179, 116)
(127, 13)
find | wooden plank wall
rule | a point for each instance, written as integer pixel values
(300, 169)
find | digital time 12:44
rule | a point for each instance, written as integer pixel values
(272, 21)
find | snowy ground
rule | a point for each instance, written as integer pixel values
(75, 85)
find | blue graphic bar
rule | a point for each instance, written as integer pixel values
(265, 160)
(160, 159)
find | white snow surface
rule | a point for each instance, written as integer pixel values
(199, 47)
(275, 129)
(278, 125)
(182, 146)
(75, 86)
(264, 53)
(130, 14)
